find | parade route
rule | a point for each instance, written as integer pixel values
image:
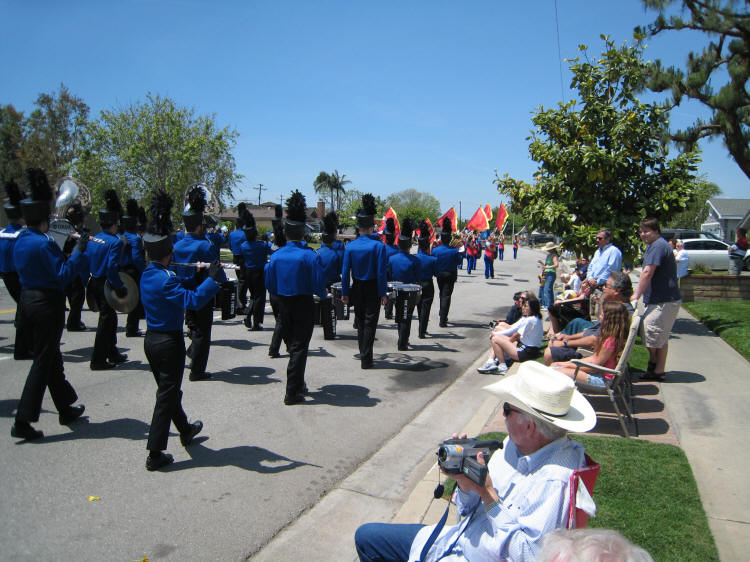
(83, 492)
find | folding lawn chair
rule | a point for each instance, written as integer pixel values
(577, 517)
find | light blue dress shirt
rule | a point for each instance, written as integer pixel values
(605, 261)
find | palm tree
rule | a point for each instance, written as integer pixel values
(332, 184)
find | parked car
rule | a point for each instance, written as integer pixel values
(684, 233)
(712, 253)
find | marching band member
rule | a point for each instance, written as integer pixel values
(133, 263)
(236, 238)
(391, 249)
(279, 241)
(293, 275)
(447, 263)
(365, 261)
(23, 344)
(254, 256)
(427, 270)
(165, 298)
(76, 289)
(405, 268)
(331, 261)
(196, 248)
(43, 273)
(105, 266)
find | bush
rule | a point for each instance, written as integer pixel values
(701, 268)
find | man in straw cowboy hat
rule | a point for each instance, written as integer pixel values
(525, 494)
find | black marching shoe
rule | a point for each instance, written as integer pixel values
(443, 324)
(295, 399)
(366, 363)
(199, 377)
(23, 430)
(70, 414)
(134, 333)
(118, 358)
(274, 354)
(195, 429)
(103, 366)
(80, 328)
(158, 461)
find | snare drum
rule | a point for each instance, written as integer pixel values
(342, 310)
(406, 297)
(228, 292)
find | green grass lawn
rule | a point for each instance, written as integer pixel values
(647, 492)
(730, 320)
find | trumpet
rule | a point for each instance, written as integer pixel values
(76, 236)
(204, 265)
(456, 240)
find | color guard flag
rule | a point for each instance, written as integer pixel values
(450, 214)
(502, 215)
(478, 221)
(488, 212)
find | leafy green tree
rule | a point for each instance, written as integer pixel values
(696, 213)
(331, 185)
(416, 204)
(602, 160)
(351, 201)
(11, 143)
(157, 144)
(716, 76)
(54, 130)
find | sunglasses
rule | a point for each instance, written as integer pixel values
(507, 409)
(600, 237)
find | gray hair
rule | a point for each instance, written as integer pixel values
(548, 430)
(590, 545)
(621, 282)
(607, 233)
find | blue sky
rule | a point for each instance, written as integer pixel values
(430, 95)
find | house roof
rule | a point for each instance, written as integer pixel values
(265, 212)
(728, 208)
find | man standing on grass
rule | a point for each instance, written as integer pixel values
(661, 296)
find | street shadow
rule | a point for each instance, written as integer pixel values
(497, 283)
(243, 345)
(320, 351)
(344, 395)
(78, 355)
(503, 275)
(519, 280)
(437, 346)
(8, 407)
(246, 375)
(406, 362)
(683, 377)
(446, 335)
(246, 457)
(693, 327)
(345, 337)
(466, 325)
(82, 428)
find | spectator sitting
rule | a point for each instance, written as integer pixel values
(582, 333)
(590, 545)
(521, 341)
(514, 314)
(609, 345)
(526, 492)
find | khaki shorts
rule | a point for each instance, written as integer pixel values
(658, 320)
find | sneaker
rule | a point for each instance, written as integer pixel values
(489, 367)
(501, 369)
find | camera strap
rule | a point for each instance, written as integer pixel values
(439, 527)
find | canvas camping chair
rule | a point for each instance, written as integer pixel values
(577, 517)
(619, 387)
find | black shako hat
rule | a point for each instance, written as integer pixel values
(446, 231)
(75, 214)
(366, 213)
(407, 229)
(130, 218)
(36, 207)
(241, 208)
(424, 235)
(192, 214)
(113, 209)
(158, 236)
(330, 228)
(13, 206)
(248, 223)
(296, 213)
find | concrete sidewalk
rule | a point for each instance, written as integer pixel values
(701, 408)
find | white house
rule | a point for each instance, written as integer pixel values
(724, 215)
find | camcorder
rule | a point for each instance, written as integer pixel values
(459, 456)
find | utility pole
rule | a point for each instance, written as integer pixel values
(459, 211)
(260, 190)
(281, 199)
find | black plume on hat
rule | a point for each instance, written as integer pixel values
(247, 218)
(368, 205)
(160, 213)
(407, 228)
(330, 223)
(241, 208)
(131, 208)
(14, 193)
(446, 228)
(296, 207)
(142, 219)
(39, 187)
(424, 230)
(112, 202)
(278, 211)
(390, 226)
(196, 200)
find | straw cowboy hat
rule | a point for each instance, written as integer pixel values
(544, 393)
(550, 246)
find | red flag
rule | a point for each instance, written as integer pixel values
(502, 215)
(450, 214)
(488, 212)
(390, 213)
(478, 221)
(430, 230)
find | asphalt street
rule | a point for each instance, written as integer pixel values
(83, 492)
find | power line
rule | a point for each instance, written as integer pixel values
(260, 190)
